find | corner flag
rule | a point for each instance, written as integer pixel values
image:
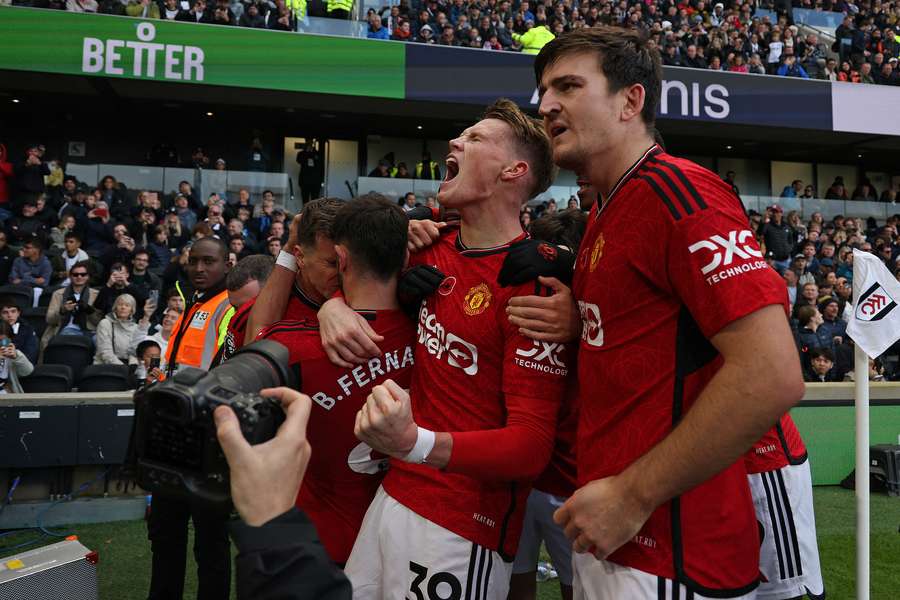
(874, 326)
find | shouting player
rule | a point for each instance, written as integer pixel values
(369, 235)
(478, 422)
(305, 274)
(668, 276)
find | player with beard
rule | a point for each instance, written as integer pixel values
(478, 422)
(664, 502)
(369, 235)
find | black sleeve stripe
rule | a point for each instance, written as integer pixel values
(684, 180)
(665, 198)
(668, 181)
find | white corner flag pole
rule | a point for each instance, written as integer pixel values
(861, 375)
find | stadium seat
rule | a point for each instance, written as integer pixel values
(74, 350)
(105, 378)
(46, 295)
(37, 318)
(48, 379)
(22, 294)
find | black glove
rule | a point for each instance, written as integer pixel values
(418, 283)
(422, 213)
(529, 259)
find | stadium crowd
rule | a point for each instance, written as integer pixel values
(702, 34)
(108, 262)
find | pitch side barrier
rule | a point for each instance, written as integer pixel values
(200, 54)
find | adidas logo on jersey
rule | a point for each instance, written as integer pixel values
(439, 342)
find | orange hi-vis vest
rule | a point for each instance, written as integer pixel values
(195, 336)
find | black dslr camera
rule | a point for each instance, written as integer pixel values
(175, 443)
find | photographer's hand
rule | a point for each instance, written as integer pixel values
(265, 478)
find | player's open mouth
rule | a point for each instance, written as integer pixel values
(557, 130)
(452, 169)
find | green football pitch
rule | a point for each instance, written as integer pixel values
(125, 553)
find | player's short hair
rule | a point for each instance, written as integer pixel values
(318, 219)
(529, 137)
(624, 58)
(257, 267)
(564, 228)
(805, 314)
(374, 230)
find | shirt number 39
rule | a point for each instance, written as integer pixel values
(439, 586)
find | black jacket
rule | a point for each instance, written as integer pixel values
(284, 560)
(779, 239)
(26, 341)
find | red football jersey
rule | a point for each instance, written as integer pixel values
(343, 475)
(468, 359)
(665, 265)
(781, 446)
(560, 476)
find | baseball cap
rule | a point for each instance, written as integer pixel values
(824, 303)
(776, 208)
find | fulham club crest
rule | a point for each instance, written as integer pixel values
(875, 304)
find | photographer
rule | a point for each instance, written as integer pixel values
(279, 554)
(193, 343)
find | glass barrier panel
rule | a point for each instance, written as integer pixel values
(326, 26)
(828, 208)
(88, 174)
(858, 208)
(394, 189)
(425, 187)
(214, 182)
(173, 176)
(135, 177)
(750, 203)
(787, 204)
(256, 182)
(817, 18)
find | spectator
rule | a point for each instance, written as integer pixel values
(820, 368)
(197, 14)
(118, 334)
(7, 257)
(13, 362)
(409, 202)
(7, 173)
(29, 174)
(791, 68)
(149, 359)
(117, 284)
(117, 202)
(23, 335)
(865, 73)
(164, 331)
(32, 268)
(123, 249)
(142, 279)
(58, 233)
(832, 324)
(847, 73)
(252, 18)
(808, 192)
(382, 169)
(810, 334)
(376, 30)
(401, 172)
(830, 72)
(160, 251)
(426, 35)
(72, 254)
(71, 310)
(143, 9)
(793, 190)
(183, 210)
(170, 10)
(692, 59)
(836, 191)
(777, 236)
(339, 9)
(27, 225)
(273, 246)
(790, 280)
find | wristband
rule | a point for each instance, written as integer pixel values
(286, 260)
(424, 446)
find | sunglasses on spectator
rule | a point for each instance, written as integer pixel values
(79, 274)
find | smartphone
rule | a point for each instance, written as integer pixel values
(4, 342)
(154, 297)
(154, 363)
